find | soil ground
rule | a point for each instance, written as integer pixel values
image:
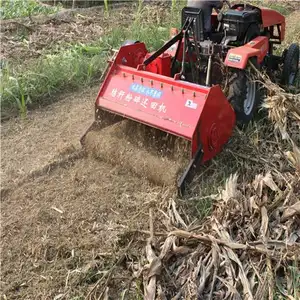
(65, 217)
(62, 211)
(29, 38)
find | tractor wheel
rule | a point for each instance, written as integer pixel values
(290, 65)
(245, 95)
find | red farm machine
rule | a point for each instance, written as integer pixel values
(197, 87)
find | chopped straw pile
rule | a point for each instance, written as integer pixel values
(249, 247)
(241, 251)
(112, 145)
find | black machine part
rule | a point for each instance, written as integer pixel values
(245, 94)
(290, 65)
(195, 14)
(236, 23)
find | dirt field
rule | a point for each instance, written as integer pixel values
(67, 218)
(70, 212)
(46, 33)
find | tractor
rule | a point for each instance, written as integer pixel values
(198, 86)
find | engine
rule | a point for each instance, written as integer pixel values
(237, 21)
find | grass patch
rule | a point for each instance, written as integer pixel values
(11, 9)
(75, 66)
(53, 73)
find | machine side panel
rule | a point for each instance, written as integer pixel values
(216, 124)
(238, 57)
(170, 105)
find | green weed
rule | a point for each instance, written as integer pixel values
(295, 276)
(174, 2)
(10, 9)
(290, 280)
(72, 66)
(106, 4)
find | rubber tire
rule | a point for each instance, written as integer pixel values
(237, 91)
(289, 58)
(236, 95)
(129, 42)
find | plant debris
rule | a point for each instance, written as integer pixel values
(250, 244)
(251, 238)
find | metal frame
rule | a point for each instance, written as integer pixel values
(190, 171)
(190, 24)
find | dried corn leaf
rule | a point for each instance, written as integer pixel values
(264, 223)
(268, 181)
(291, 211)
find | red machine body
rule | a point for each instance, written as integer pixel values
(259, 47)
(148, 95)
(238, 57)
(156, 90)
(272, 18)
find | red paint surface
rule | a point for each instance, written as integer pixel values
(197, 113)
(258, 47)
(271, 17)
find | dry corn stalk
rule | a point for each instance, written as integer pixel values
(247, 248)
(239, 250)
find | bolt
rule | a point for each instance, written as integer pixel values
(194, 94)
(161, 85)
(151, 81)
(124, 75)
(172, 87)
(142, 79)
(132, 77)
(182, 90)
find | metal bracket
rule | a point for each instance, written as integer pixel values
(189, 172)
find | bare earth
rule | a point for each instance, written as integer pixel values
(65, 220)
(29, 145)
(65, 217)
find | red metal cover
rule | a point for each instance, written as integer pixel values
(238, 57)
(159, 101)
(272, 17)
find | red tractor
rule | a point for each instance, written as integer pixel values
(197, 87)
(242, 34)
